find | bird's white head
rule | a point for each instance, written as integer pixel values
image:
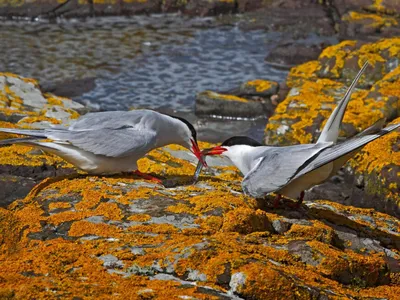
(239, 149)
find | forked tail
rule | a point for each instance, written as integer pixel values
(330, 132)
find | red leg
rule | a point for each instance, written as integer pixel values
(299, 201)
(277, 200)
(147, 176)
(297, 204)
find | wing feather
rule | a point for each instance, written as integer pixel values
(108, 142)
(278, 166)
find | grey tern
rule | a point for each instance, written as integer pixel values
(290, 170)
(110, 142)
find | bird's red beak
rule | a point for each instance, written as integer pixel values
(218, 150)
(196, 151)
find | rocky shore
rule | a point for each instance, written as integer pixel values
(66, 234)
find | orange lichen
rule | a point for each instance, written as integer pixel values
(318, 231)
(245, 220)
(260, 85)
(81, 228)
(379, 154)
(139, 218)
(58, 205)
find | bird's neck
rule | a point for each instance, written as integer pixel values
(244, 157)
(171, 131)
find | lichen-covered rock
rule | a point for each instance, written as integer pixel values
(22, 104)
(366, 19)
(377, 168)
(250, 100)
(317, 86)
(357, 24)
(90, 236)
(22, 100)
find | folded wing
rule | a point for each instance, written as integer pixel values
(277, 166)
(108, 142)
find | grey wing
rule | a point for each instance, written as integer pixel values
(110, 119)
(108, 142)
(348, 146)
(278, 166)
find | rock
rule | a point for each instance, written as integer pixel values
(251, 100)
(72, 8)
(377, 168)
(300, 117)
(69, 88)
(246, 221)
(291, 54)
(209, 8)
(127, 236)
(297, 19)
(362, 25)
(22, 100)
(343, 6)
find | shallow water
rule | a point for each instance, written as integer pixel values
(156, 61)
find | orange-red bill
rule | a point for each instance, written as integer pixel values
(196, 151)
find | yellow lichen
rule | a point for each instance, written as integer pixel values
(260, 85)
(306, 71)
(375, 21)
(218, 96)
(338, 52)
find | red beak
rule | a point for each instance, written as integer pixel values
(196, 151)
(218, 150)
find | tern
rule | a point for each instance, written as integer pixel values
(290, 170)
(111, 142)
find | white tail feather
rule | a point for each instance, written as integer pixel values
(330, 132)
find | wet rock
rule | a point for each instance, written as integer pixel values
(209, 8)
(317, 86)
(251, 100)
(299, 19)
(291, 54)
(69, 88)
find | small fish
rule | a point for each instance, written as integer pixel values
(200, 166)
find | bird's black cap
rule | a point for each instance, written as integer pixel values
(241, 140)
(191, 128)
